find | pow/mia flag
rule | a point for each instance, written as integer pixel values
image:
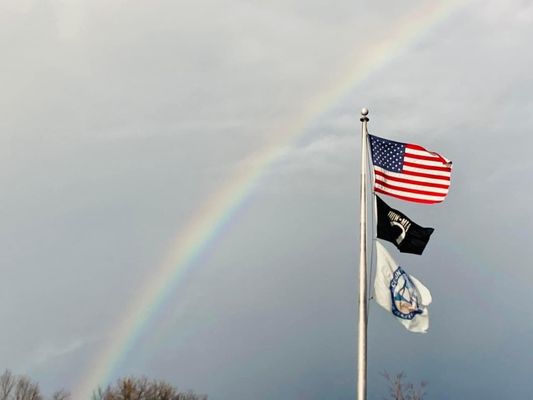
(396, 228)
(401, 294)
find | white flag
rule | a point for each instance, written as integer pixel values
(401, 294)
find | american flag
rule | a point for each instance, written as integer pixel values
(409, 172)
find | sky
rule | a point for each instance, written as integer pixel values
(124, 123)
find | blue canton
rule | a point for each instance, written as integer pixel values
(387, 154)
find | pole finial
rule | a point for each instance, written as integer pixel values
(364, 113)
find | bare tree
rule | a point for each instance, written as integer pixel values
(25, 389)
(61, 395)
(18, 387)
(7, 383)
(142, 388)
(401, 390)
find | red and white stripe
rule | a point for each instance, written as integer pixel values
(425, 177)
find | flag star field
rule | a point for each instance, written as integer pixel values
(388, 154)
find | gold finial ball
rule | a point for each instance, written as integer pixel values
(364, 111)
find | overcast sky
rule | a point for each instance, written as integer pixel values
(120, 119)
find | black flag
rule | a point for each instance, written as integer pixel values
(397, 228)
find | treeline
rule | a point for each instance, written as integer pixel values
(21, 387)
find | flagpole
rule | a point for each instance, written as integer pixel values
(363, 299)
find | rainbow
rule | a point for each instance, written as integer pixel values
(209, 221)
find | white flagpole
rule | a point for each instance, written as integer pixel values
(363, 299)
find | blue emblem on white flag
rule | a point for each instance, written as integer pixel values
(404, 295)
(400, 293)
